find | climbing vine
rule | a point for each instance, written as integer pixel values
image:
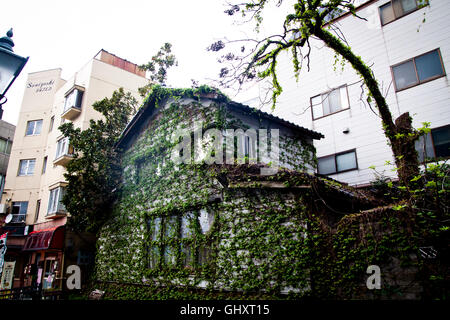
(197, 231)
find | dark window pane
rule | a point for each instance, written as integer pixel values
(346, 161)
(386, 13)
(204, 254)
(424, 147)
(187, 252)
(153, 257)
(30, 128)
(404, 75)
(326, 165)
(429, 65)
(441, 139)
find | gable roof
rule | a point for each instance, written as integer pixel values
(207, 93)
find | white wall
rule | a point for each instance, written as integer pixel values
(380, 47)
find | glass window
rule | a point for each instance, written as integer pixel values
(52, 122)
(329, 102)
(63, 148)
(44, 165)
(206, 219)
(429, 65)
(417, 70)
(73, 100)
(34, 127)
(346, 161)
(5, 146)
(337, 163)
(404, 75)
(435, 144)
(386, 13)
(424, 147)
(26, 167)
(441, 139)
(326, 165)
(397, 8)
(19, 211)
(55, 201)
(408, 5)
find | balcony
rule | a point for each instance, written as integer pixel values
(63, 160)
(72, 103)
(56, 208)
(56, 215)
(64, 152)
(18, 218)
(71, 113)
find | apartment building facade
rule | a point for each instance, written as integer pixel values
(408, 48)
(35, 180)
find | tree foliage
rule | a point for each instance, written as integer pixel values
(310, 19)
(158, 66)
(94, 172)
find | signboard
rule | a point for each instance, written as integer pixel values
(2, 249)
(7, 275)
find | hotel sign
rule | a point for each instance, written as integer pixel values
(42, 86)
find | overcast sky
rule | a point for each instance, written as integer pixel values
(67, 34)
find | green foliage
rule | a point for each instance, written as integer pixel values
(94, 172)
(262, 242)
(158, 67)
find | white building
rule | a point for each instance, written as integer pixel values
(409, 57)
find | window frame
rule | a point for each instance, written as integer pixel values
(326, 93)
(434, 158)
(52, 123)
(20, 166)
(419, 82)
(78, 99)
(418, 7)
(34, 127)
(335, 155)
(19, 204)
(175, 240)
(67, 151)
(8, 145)
(57, 208)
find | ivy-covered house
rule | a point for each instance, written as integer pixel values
(214, 201)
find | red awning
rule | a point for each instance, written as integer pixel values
(52, 238)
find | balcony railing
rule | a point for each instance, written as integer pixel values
(18, 218)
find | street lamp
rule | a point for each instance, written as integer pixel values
(11, 65)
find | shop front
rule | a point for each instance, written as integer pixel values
(45, 259)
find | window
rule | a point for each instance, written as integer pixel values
(395, 9)
(19, 211)
(435, 144)
(26, 167)
(340, 162)
(38, 208)
(44, 165)
(418, 70)
(5, 146)
(63, 148)
(329, 102)
(55, 201)
(34, 127)
(173, 239)
(73, 100)
(52, 122)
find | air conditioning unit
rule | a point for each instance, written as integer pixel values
(3, 208)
